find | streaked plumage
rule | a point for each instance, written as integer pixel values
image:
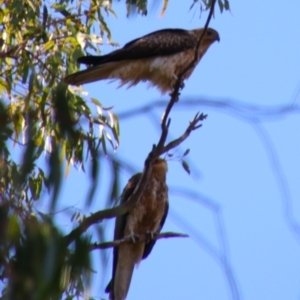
(158, 57)
(148, 216)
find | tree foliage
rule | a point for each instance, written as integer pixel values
(51, 127)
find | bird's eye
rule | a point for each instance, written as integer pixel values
(209, 32)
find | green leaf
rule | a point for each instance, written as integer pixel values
(13, 230)
(3, 85)
(186, 166)
(96, 102)
(35, 186)
(115, 132)
(221, 6)
(187, 151)
(25, 73)
(49, 45)
(164, 8)
(226, 5)
(103, 144)
(110, 140)
(45, 15)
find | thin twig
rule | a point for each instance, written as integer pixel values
(36, 56)
(193, 126)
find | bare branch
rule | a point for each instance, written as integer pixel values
(193, 126)
(237, 108)
(179, 84)
(140, 238)
(13, 52)
(98, 217)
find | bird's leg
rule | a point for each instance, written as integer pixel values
(182, 85)
(134, 237)
(150, 235)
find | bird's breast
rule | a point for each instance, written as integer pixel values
(148, 213)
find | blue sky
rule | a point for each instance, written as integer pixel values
(245, 164)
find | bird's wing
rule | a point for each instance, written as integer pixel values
(150, 244)
(121, 223)
(95, 73)
(159, 43)
(135, 61)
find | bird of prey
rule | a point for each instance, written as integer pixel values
(147, 217)
(158, 57)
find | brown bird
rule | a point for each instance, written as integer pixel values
(148, 216)
(158, 57)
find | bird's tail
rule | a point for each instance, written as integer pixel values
(92, 74)
(120, 284)
(128, 256)
(109, 286)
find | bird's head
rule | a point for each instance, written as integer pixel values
(160, 166)
(210, 36)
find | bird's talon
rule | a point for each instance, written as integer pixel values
(150, 236)
(182, 85)
(134, 237)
